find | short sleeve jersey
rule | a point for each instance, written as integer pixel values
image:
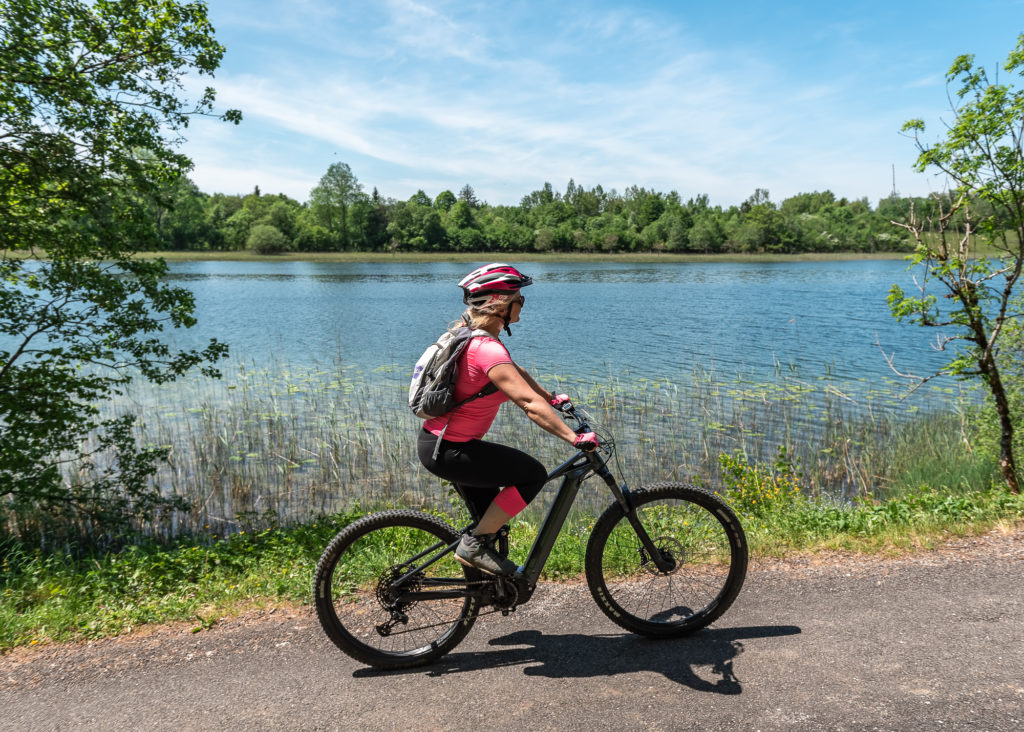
(472, 420)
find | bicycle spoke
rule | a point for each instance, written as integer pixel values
(707, 558)
(373, 590)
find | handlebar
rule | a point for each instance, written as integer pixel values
(581, 422)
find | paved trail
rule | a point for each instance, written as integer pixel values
(933, 641)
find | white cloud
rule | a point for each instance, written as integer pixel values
(431, 33)
(925, 81)
(618, 98)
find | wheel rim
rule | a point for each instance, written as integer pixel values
(365, 608)
(693, 538)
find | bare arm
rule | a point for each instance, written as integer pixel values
(548, 396)
(518, 386)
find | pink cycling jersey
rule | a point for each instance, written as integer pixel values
(472, 420)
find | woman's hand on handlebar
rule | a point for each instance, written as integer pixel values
(586, 441)
(561, 402)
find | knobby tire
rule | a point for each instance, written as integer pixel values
(352, 606)
(702, 538)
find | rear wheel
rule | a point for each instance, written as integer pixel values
(366, 615)
(702, 540)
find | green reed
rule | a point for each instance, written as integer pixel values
(279, 445)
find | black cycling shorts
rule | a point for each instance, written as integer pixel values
(482, 469)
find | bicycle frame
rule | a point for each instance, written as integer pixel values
(573, 472)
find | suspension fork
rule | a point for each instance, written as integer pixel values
(624, 498)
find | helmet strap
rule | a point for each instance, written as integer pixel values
(507, 319)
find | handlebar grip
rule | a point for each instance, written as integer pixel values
(586, 441)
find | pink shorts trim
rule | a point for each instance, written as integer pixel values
(510, 501)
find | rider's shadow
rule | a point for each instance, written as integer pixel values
(574, 655)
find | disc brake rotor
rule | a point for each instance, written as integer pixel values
(671, 550)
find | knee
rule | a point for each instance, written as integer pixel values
(529, 490)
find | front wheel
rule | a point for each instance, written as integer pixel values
(700, 538)
(364, 605)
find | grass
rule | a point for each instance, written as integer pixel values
(280, 446)
(779, 517)
(519, 257)
(50, 598)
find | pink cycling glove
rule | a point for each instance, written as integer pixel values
(587, 441)
(560, 401)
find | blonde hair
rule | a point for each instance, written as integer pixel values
(479, 317)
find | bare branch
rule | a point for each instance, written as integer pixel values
(918, 381)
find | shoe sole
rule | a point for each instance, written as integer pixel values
(467, 563)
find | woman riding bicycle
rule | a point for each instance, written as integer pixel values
(496, 480)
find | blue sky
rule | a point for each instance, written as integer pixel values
(715, 98)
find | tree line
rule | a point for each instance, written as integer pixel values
(341, 216)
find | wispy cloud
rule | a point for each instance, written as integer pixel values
(926, 81)
(429, 32)
(434, 94)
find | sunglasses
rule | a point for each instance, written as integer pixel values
(521, 300)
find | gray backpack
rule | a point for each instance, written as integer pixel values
(432, 391)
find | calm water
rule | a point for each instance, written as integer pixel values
(582, 321)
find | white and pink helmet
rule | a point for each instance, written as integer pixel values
(492, 284)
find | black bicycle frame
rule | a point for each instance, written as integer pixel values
(573, 471)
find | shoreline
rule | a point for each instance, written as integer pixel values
(623, 258)
(626, 258)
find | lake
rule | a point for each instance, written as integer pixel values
(583, 321)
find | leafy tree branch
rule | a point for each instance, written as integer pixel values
(92, 108)
(982, 159)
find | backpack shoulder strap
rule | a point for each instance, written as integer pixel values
(490, 388)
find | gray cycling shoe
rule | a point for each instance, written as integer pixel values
(478, 552)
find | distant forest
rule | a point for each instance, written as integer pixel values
(341, 216)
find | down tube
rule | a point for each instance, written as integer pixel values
(549, 529)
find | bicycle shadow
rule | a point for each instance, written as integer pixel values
(574, 655)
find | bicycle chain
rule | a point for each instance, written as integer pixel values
(449, 622)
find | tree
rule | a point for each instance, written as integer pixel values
(369, 225)
(982, 157)
(91, 110)
(444, 201)
(181, 223)
(267, 239)
(461, 216)
(330, 200)
(420, 198)
(468, 195)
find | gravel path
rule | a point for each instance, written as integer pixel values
(929, 641)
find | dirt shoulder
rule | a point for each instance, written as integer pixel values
(932, 639)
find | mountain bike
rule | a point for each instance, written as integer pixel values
(661, 561)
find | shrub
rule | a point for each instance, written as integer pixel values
(267, 239)
(757, 489)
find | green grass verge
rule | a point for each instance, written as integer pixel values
(51, 598)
